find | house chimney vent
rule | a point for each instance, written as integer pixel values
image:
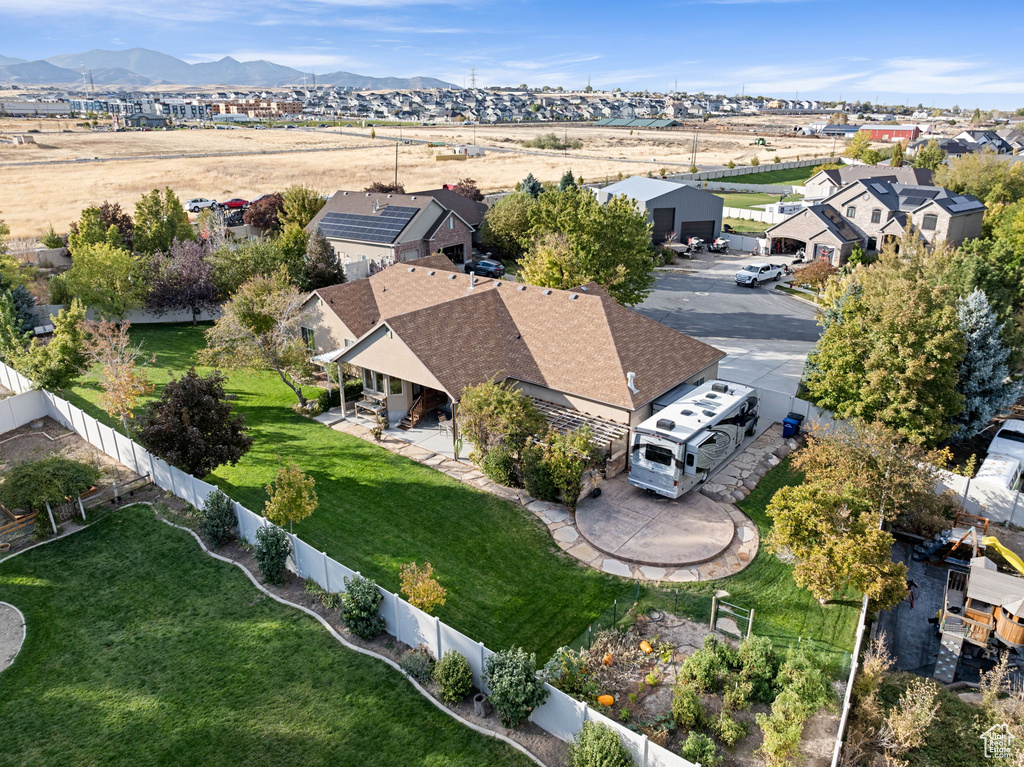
(631, 382)
(521, 287)
(546, 292)
(431, 272)
(452, 276)
(573, 296)
(412, 268)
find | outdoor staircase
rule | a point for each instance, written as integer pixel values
(423, 404)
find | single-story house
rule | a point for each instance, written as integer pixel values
(369, 231)
(672, 207)
(144, 120)
(871, 212)
(421, 331)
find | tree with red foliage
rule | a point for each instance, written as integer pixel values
(467, 188)
(182, 278)
(382, 187)
(265, 213)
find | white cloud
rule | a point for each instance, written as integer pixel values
(952, 76)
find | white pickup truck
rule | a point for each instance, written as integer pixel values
(755, 274)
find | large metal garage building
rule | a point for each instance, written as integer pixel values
(671, 207)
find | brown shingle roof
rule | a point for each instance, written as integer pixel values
(579, 342)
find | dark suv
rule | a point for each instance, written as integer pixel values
(485, 267)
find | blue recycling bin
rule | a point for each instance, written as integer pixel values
(790, 427)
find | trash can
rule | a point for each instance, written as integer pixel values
(790, 428)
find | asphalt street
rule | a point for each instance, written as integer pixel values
(766, 333)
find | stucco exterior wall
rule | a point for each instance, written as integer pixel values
(329, 332)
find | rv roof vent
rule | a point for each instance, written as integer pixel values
(720, 387)
(708, 413)
(686, 412)
(712, 396)
(666, 424)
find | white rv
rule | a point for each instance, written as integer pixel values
(678, 447)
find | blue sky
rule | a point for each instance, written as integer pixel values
(869, 49)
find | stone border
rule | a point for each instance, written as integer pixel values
(562, 524)
(5, 662)
(740, 476)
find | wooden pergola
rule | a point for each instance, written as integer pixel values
(565, 419)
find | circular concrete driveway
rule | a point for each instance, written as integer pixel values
(634, 526)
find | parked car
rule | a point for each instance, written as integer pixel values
(1009, 440)
(755, 274)
(197, 204)
(485, 267)
(236, 202)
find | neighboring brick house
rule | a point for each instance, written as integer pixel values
(825, 183)
(470, 211)
(369, 231)
(870, 212)
(424, 330)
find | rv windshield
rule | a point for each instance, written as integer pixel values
(657, 454)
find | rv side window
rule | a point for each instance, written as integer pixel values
(656, 454)
(689, 459)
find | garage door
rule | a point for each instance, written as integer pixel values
(664, 223)
(703, 229)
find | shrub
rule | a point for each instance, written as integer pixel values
(537, 477)
(359, 606)
(782, 730)
(271, 552)
(686, 708)
(804, 676)
(53, 479)
(729, 731)
(499, 465)
(418, 664)
(420, 586)
(759, 666)
(59, 292)
(739, 691)
(454, 676)
(218, 521)
(755, 162)
(515, 688)
(329, 599)
(707, 667)
(353, 389)
(700, 749)
(597, 745)
(567, 671)
(51, 239)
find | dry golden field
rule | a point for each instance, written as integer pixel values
(33, 196)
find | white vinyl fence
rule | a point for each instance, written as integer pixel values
(726, 186)
(764, 216)
(743, 170)
(560, 715)
(46, 312)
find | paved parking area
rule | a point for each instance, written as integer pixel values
(766, 333)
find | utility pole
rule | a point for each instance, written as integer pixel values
(472, 77)
(92, 85)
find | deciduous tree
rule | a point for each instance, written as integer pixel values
(506, 227)
(59, 363)
(467, 188)
(898, 155)
(193, 425)
(420, 587)
(301, 203)
(260, 331)
(385, 187)
(292, 496)
(236, 264)
(160, 219)
(991, 178)
(860, 142)
(182, 278)
(118, 368)
(265, 213)
(107, 279)
(90, 230)
(930, 156)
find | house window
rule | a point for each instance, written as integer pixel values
(929, 222)
(872, 243)
(394, 385)
(379, 383)
(451, 222)
(368, 379)
(876, 217)
(308, 337)
(851, 212)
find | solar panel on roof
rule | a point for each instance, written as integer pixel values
(913, 201)
(960, 207)
(383, 227)
(960, 200)
(880, 189)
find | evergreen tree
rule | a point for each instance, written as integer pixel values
(24, 303)
(984, 373)
(321, 266)
(566, 181)
(531, 186)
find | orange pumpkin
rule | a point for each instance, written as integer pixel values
(607, 659)
(606, 700)
(646, 647)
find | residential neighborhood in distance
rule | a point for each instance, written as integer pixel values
(399, 384)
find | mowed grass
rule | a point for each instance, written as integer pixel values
(508, 583)
(751, 201)
(796, 176)
(782, 610)
(745, 226)
(141, 650)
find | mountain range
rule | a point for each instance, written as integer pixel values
(140, 67)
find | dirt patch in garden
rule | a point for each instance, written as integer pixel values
(5, 392)
(546, 747)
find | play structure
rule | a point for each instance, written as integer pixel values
(982, 607)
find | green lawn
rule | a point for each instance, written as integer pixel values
(796, 176)
(507, 581)
(745, 226)
(142, 650)
(782, 610)
(751, 201)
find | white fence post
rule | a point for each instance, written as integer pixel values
(327, 573)
(437, 631)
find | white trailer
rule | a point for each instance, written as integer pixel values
(678, 447)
